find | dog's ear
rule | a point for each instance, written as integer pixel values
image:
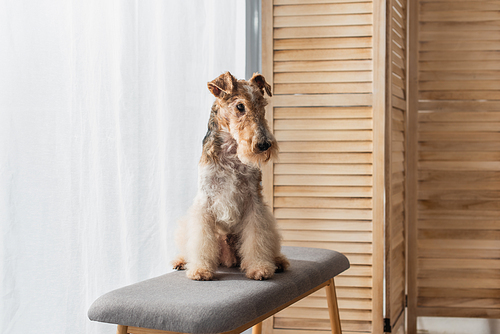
(259, 81)
(223, 84)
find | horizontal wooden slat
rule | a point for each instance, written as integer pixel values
(460, 95)
(459, 35)
(324, 100)
(328, 77)
(451, 177)
(348, 292)
(460, 55)
(461, 126)
(323, 191)
(468, 234)
(325, 135)
(460, 273)
(336, 158)
(460, 302)
(450, 253)
(321, 303)
(454, 185)
(322, 202)
(328, 65)
(323, 54)
(339, 112)
(459, 16)
(325, 225)
(459, 293)
(325, 124)
(327, 236)
(459, 244)
(462, 166)
(459, 146)
(457, 116)
(452, 224)
(459, 65)
(306, 2)
(340, 246)
(323, 180)
(460, 26)
(398, 115)
(459, 45)
(323, 32)
(460, 75)
(324, 9)
(323, 169)
(460, 6)
(322, 43)
(289, 213)
(459, 205)
(322, 20)
(345, 146)
(459, 105)
(461, 136)
(454, 213)
(458, 263)
(459, 156)
(295, 312)
(307, 325)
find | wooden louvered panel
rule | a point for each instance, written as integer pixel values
(395, 164)
(318, 215)
(457, 255)
(320, 57)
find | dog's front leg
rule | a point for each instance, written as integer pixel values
(260, 243)
(202, 248)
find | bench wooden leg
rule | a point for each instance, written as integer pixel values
(257, 329)
(121, 329)
(333, 308)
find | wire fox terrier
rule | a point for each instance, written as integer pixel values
(229, 224)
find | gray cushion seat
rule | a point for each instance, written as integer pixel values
(172, 302)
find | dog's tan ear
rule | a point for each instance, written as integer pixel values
(223, 84)
(260, 81)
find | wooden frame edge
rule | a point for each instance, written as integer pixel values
(411, 167)
(379, 104)
(267, 72)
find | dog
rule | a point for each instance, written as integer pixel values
(228, 223)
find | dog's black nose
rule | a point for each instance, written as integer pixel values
(264, 146)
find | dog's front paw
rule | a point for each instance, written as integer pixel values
(261, 272)
(179, 263)
(200, 274)
(282, 263)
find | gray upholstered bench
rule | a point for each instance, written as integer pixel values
(231, 303)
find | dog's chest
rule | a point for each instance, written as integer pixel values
(229, 191)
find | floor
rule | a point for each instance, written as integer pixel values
(430, 325)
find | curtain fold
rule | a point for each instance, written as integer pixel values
(103, 107)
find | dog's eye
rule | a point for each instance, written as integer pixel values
(240, 107)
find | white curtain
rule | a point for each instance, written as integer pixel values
(103, 107)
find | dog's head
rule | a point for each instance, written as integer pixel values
(241, 112)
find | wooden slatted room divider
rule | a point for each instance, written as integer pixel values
(363, 173)
(395, 169)
(455, 259)
(318, 56)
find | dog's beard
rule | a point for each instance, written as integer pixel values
(253, 157)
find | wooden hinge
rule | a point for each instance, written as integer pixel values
(387, 325)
